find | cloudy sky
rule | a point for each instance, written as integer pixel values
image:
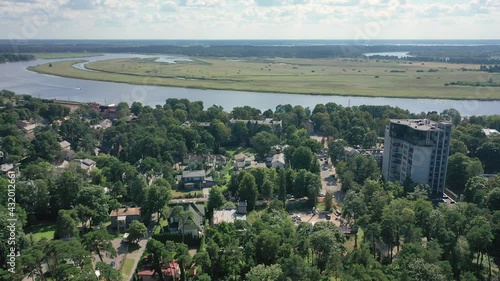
(250, 19)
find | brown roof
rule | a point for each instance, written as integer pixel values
(126, 212)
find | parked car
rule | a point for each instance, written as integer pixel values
(328, 217)
(125, 238)
(112, 264)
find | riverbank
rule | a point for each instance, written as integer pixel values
(334, 77)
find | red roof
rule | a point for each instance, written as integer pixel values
(126, 212)
(172, 270)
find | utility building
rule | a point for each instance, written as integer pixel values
(417, 149)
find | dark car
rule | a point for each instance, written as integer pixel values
(328, 217)
(112, 264)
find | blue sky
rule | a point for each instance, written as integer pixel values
(250, 19)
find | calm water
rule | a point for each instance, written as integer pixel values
(15, 77)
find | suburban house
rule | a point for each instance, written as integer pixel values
(278, 161)
(170, 273)
(231, 215)
(256, 164)
(208, 161)
(241, 161)
(86, 164)
(121, 218)
(109, 111)
(193, 158)
(66, 150)
(490, 132)
(65, 145)
(195, 179)
(104, 124)
(26, 126)
(194, 224)
(220, 161)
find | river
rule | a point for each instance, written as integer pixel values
(15, 77)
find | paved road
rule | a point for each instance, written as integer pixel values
(121, 249)
(329, 183)
(137, 254)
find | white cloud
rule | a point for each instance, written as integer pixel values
(251, 18)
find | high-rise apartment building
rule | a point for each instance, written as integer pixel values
(418, 150)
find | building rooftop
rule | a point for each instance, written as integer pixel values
(278, 158)
(228, 216)
(65, 144)
(193, 174)
(240, 157)
(420, 124)
(490, 132)
(126, 212)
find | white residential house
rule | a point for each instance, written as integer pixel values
(86, 164)
(278, 161)
(65, 145)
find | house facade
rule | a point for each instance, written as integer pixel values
(191, 226)
(123, 217)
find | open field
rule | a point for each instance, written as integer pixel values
(63, 55)
(351, 77)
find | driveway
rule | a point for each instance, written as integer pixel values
(137, 254)
(121, 249)
(329, 182)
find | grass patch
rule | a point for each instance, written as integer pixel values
(127, 267)
(349, 244)
(346, 77)
(42, 230)
(64, 55)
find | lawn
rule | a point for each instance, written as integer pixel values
(353, 77)
(349, 244)
(42, 230)
(127, 267)
(64, 55)
(163, 223)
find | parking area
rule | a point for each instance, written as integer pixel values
(121, 250)
(309, 217)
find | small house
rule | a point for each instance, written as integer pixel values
(194, 224)
(121, 218)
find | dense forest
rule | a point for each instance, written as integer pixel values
(480, 54)
(396, 232)
(490, 68)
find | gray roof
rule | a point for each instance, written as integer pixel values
(193, 174)
(64, 144)
(489, 132)
(420, 124)
(88, 162)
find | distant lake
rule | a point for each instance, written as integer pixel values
(15, 77)
(389, 54)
